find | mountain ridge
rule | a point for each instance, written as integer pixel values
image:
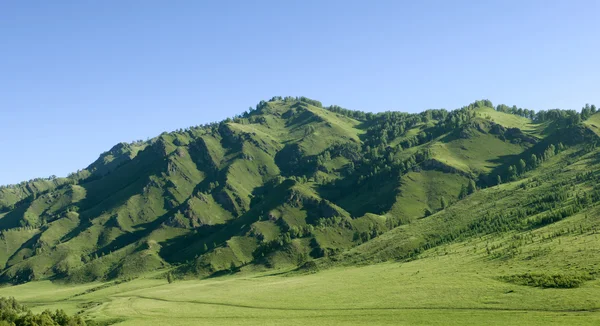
(287, 184)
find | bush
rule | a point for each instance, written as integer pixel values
(562, 281)
(309, 267)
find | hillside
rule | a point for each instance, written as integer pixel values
(294, 185)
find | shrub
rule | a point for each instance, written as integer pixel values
(563, 281)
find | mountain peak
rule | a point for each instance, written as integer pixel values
(284, 183)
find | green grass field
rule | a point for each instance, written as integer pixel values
(455, 284)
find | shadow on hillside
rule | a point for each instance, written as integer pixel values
(131, 237)
(299, 120)
(13, 218)
(376, 194)
(186, 247)
(570, 136)
(27, 245)
(116, 188)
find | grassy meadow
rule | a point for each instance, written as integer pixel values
(455, 284)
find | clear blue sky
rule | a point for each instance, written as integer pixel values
(77, 77)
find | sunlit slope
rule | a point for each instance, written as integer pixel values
(594, 123)
(507, 120)
(553, 204)
(286, 185)
(150, 197)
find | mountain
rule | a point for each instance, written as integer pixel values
(295, 185)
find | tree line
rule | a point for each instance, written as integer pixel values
(12, 313)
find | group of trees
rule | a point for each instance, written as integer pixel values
(373, 165)
(540, 207)
(469, 189)
(579, 202)
(516, 111)
(376, 156)
(570, 116)
(515, 170)
(387, 126)
(13, 313)
(564, 117)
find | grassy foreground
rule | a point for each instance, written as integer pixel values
(451, 286)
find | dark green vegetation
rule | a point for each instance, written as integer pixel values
(14, 314)
(548, 281)
(292, 184)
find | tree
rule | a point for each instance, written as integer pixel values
(499, 181)
(463, 192)
(427, 212)
(443, 202)
(533, 161)
(169, 277)
(512, 172)
(471, 188)
(522, 166)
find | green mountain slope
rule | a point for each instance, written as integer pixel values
(292, 184)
